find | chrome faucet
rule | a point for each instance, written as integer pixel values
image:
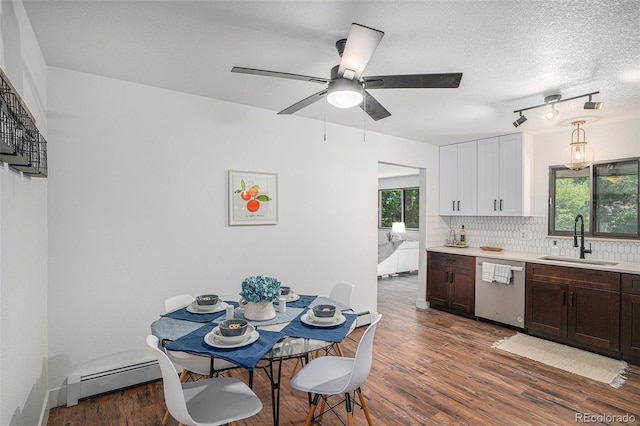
(575, 236)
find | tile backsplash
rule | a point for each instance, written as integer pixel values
(506, 232)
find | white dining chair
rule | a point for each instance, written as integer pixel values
(213, 401)
(189, 363)
(332, 375)
(342, 292)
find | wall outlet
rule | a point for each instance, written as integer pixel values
(525, 234)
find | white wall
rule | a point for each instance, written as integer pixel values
(138, 199)
(23, 239)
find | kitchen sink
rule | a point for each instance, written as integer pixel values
(574, 260)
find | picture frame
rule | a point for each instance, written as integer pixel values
(253, 198)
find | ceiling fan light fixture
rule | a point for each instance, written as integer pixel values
(344, 93)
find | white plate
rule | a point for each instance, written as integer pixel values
(321, 320)
(194, 308)
(291, 297)
(310, 320)
(210, 340)
(218, 337)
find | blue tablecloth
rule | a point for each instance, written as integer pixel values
(244, 356)
(183, 314)
(297, 328)
(303, 302)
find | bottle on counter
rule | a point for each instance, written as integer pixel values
(555, 250)
(463, 237)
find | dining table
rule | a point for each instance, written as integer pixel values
(290, 335)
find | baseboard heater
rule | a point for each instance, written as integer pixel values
(83, 384)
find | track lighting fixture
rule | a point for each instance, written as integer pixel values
(520, 120)
(556, 99)
(592, 105)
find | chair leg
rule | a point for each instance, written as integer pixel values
(339, 349)
(165, 419)
(312, 409)
(295, 367)
(347, 401)
(364, 407)
(322, 406)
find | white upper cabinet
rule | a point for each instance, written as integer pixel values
(502, 180)
(458, 174)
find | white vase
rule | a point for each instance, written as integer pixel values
(258, 311)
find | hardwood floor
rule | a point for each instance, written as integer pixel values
(430, 368)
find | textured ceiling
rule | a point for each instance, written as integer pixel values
(512, 54)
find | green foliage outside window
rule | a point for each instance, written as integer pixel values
(400, 205)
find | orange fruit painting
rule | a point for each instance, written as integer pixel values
(252, 196)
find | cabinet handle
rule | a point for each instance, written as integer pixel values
(564, 297)
(494, 205)
(500, 205)
(446, 277)
(453, 274)
(458, 205)
(573, 296)
(453, 205)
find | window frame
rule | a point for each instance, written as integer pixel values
(402, 205)
(593, 200)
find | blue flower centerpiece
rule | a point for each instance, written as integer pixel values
(260, 289)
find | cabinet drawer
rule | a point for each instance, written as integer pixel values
(590, 278)
(630, 283)
(453, 260)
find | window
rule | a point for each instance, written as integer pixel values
(399, 205)
(605, 194)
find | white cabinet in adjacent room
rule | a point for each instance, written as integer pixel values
(458, 176)
(502, 186)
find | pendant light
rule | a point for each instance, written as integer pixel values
(578, 155)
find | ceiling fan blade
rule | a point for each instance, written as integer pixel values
(361, 43)
(305, 102)
(279, 74)
(413, 81)
(372, 107)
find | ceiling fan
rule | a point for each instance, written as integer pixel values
(347, 87)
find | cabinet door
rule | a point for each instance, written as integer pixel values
(462, 291)
(467, 179)
(510, 200)
(546, 309)
(488, 176)
(630, 327)
(437, 283)
(448, 179)
(594, 317)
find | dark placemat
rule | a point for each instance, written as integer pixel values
(183, 314)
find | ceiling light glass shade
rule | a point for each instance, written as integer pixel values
(344, 93)
(578, 155)
(520, 120)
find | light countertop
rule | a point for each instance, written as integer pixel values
(625, 267)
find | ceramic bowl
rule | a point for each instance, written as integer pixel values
(284, 291)
(324, 311)
(233, 327)
(207, 299)
(230, 340)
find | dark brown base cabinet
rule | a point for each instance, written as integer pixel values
(451, 282)
(575, 306)
(630, 318)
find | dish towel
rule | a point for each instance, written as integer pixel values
(488, 271)
(502, 274)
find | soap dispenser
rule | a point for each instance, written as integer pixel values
(555, 250)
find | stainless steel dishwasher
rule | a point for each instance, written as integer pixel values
(503, 303)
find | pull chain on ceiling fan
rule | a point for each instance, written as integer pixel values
(347, 87)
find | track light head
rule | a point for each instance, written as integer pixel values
(592, 105)
(520, 120)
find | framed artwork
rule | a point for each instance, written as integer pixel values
(253, 198)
